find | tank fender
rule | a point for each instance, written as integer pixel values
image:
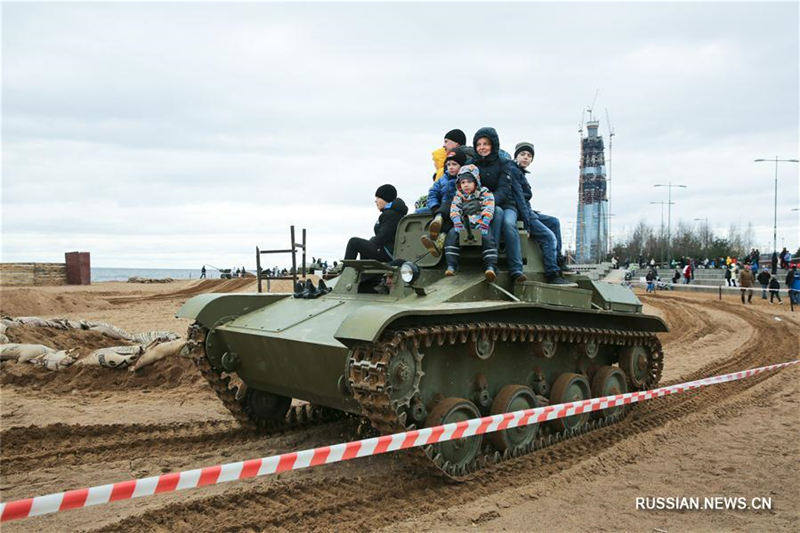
(368, 322)
(365, 323)
(208, 308)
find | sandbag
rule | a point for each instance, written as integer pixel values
(5, 324)
(23, 352)
(3, 339)
(39, 322)
(156, 352)
(54, 360)
(112, 331)
(114, 357)
(153, 337)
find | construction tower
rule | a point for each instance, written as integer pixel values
(591, 238)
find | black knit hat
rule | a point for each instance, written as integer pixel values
(456, 136)
(458, 155)
(387, 192)
(524, 147)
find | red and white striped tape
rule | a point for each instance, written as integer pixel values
(212, 475)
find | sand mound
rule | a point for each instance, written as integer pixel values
(33, 302)
(201, 287)
(164, 374)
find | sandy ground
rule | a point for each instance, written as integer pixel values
(84, 427)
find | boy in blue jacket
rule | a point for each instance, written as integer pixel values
(439, 198)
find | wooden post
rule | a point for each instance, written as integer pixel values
(294, 260)
(258, 268)
(304, 253)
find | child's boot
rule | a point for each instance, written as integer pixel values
(434, 246)
(435, 227)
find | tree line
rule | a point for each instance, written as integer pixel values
(697, 241)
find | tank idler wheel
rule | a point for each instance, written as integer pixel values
(482, 348)
(608, 381)
(265, 406)
(570, 387)
(547, 348)
(458, 452)
(514, 398)
(633, 361)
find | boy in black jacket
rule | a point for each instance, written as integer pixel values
(381, 246)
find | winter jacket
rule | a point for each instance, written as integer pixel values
(763, 277)
(792, 280)
(774, 285)
(439, 156)
(478, 207)
(495, 171)
(442, 192)
(746, 278)
(386, 226)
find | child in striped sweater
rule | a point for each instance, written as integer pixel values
(473, 205)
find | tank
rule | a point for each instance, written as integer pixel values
(407, 347)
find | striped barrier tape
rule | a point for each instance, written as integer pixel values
(213, 475)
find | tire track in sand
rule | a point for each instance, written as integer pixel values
(27, 449)
(383, 492)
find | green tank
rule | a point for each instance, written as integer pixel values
(428, 349)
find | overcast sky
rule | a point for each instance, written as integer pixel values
(172, 135)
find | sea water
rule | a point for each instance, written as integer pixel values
(122, 274)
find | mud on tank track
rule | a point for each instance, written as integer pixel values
(353, 495)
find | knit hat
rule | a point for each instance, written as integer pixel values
(523, 146)
(456, 155)
(456, 136)
(387, 192)
(469, 172)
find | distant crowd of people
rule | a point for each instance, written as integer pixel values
(742, 273)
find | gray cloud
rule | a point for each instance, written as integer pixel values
(186, 131)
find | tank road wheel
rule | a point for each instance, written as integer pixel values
(609, 381)
(633, 362)
(514, 398)
(263, 407)
(570, 388)
(458, 453)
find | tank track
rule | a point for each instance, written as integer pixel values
(298, 416)
(368, 378)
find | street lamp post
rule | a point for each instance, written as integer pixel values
(669, 187)
(775, 216)
(705, 232)
(661, 232)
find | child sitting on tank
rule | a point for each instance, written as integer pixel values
(472, 209)
(440, 197)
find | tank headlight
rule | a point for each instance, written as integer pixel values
(409, 272)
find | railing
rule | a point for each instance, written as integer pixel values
(292, 250)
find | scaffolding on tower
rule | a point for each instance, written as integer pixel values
(591, 240)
